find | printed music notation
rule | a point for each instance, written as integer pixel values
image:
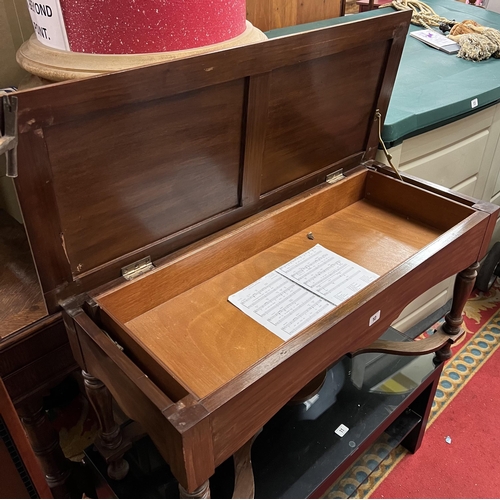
(292, 297)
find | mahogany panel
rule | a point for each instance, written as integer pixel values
(257, 113)
(494, 210)
(41, 216)
(112, 169)
(138, 169)
(186, 447)
(312, 125)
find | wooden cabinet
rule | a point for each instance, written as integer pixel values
(272, 14)
(34, 350)
(20, 473)
(34, 359)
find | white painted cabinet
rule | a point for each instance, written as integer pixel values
(464, 156)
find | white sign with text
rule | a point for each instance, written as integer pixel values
(48, 22)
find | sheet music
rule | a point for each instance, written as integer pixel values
(327, 274)
(282, 306)
(289, 299)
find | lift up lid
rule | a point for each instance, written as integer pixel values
(142, 162)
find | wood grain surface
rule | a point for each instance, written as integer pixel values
(301, 135)
(149, 195)
(21, 300)
(238, 409)
(272, 14)
(206, 340)
(181, 432)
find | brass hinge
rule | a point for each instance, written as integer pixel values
(8, 138)
(137, 268)
(336, 176)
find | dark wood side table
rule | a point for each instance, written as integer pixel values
(32, 361)
(20, 473)
(34, 351)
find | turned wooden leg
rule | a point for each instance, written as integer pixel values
(244, 483)
(464, 284)
(202, 492)
(44, 440)
(110, 436)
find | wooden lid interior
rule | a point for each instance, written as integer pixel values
(143, 162)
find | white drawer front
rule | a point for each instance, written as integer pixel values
(450, 166)
(440, 138)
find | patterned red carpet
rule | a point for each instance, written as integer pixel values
(456, 459)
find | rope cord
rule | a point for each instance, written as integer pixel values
(387, 154)
(423, 15)
(476, 42)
